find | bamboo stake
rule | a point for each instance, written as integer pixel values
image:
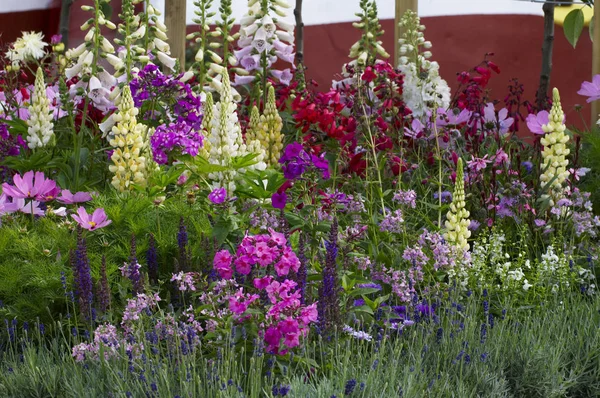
(401, 7)
(299, 32)
(176, 23)
(596, 56)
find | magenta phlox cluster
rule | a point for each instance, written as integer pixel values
(258, 250)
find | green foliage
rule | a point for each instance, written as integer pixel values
(551, 351)
(573, 26)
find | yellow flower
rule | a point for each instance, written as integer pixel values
(457, 219)
(129, 166)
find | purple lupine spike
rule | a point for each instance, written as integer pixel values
(133, 270)
(302, 272)
(328, 305)
(152, 260)
(84, 277)
(182, 241)
(104, 294)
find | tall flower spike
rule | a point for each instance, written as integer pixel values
(422, 86)
(555, 152)
(367, 49)
(40, 127)
(207, 124)
(226, 140)
(128, 142)
(457, 219)
(269, 130)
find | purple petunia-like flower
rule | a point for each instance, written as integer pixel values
(296, 161)
(218, 195)
(176, 138)
(279, 200)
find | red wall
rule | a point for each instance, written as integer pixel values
(459, 43)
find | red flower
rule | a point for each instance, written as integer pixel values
(368, 75)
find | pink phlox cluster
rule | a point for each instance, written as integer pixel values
(240, 301)
(262, 250)
(287, 320)
(185, 281)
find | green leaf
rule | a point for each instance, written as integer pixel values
(591, 28)
(573, 26)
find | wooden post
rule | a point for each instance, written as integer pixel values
(547, 47)
(401, 7)
(176, 24)
(65, 18)
(596, 56)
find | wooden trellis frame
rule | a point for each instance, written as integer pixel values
(175, 19)
(401, 7)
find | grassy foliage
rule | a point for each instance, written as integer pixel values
(549, 351)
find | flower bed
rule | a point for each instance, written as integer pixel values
(234, 231)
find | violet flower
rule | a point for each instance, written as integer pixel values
(32, 186)
(218, 195)
(591, 89)
(92, 222)
(535, 122)
(69, 198)
(279, 200)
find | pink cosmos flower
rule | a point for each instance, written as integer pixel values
(36, 187)
(69, 198)
(503, 121)
(446, 118)
(7, 206)
(591, 89)
(535, 122)
(91, 222)
(416, 128)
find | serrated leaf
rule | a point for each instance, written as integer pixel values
(573, 26)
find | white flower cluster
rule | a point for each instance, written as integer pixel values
(554, 154)
(493, 267)
(226, 142)
(553, 270)
(95, 45)
(129, 146)
(40, 127)
(28, 47)
(263, 40)
(423, 87)
(457, 219)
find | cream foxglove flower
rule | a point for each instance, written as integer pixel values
(40, 127)
(457, 219)
(555, 152)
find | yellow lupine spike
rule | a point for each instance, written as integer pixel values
(129, 164)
